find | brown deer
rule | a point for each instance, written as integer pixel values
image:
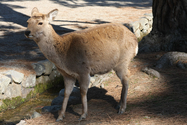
(81, 54)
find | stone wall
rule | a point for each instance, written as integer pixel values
(14, 83)
(142, 27)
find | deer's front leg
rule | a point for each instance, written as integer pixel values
(84, 83)
(69, 84)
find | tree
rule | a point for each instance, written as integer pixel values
(169, 32)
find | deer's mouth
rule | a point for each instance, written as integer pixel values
(28, 34)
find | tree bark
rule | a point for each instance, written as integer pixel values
(169, 32)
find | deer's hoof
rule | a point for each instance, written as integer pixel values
(59, 119)
(121, 111)
(83, 116)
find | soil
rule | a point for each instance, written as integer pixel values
(150, 101)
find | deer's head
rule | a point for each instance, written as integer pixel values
(38, 23)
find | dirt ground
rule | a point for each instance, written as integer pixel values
(150, 101)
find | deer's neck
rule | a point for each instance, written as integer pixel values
(47, 45)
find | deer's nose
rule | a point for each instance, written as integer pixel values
(27, 33)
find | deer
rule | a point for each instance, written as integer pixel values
(78, 55)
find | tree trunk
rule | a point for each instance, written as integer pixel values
(169, 32)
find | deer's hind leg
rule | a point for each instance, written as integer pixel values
(84, 81)
(122, 73)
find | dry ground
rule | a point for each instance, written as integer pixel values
(151, 101)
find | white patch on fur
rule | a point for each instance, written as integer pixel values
(136, 50)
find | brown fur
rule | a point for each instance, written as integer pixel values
(77, 55)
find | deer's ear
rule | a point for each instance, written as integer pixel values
(52, 14)
(34, 10)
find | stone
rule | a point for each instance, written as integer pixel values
(144, 26)
(22, 122)
(2, 96)
(13, 90)
(151, 72)
(149, 17)
(49, 66)
(54, 74)
(36, 115)
(39, 80)
(42, 79)
(46, 79)
(17, 76)
(135, 28)
(25, 91)
(29, 81)
(181, 65)
(170, 58)
(1, 102)
(92, 80)
(39, 68)
(4, 82)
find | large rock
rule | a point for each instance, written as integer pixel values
(16, 76)
(171, 58)
(45, 67)
(22, 122)
(36, 115)
(13, 90)
(29, 81)
(55, 73)
(143, 26)
(4, 82)
(39, 68)
(151, 72)
(25, 91)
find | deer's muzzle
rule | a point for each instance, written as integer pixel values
(27, 33)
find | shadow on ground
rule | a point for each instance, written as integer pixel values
(13, 44)
(114, 3)
(170, 99)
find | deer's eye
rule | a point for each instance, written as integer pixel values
(40, 23)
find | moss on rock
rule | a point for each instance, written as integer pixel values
(38, 89)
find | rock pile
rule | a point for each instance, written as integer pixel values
(143, 26)
(15, 83)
